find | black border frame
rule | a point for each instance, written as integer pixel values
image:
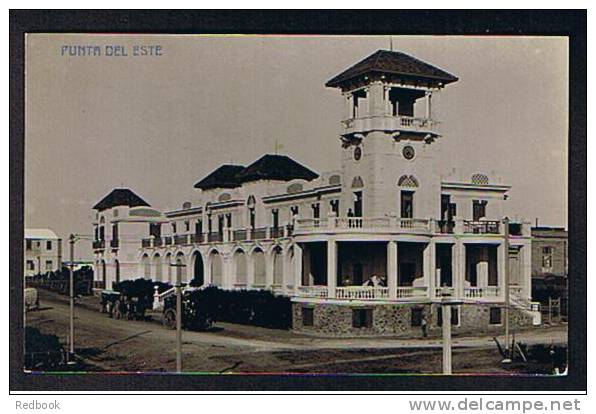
(571, 23)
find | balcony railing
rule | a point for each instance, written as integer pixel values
(168, 240)
(411, 291)
(482, 292)
(362, 292)
(239, 235)
(313, 291)
(196, 238)
(363, 224)
(99, 244)
(257, 234)
(180, 239)
(114, 243)
(157, 242)
(215, 237)
(445, 226)
(390, 123)
(276, 232)
(481, 227)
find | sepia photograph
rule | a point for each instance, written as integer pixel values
(321, 205)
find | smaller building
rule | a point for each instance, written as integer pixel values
(43, 251)
(549, 252)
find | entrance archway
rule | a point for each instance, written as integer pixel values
(157, 266)
(198, 275)
(241, 268)
(216, 269)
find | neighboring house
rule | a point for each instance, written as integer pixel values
(43, 251)
(367, 249)
(549, 251)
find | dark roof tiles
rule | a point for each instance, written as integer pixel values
(120, 197)
(222, 177)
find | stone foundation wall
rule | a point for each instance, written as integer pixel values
(396, 320)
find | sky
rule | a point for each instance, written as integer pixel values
(158, 124)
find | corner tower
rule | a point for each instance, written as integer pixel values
(387, 132)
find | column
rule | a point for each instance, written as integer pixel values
(331, 267)
(458, 267)
(392, 269)
(297, 266)
(429, 265)
(501, 263)
(429, 95)
(269, 269)
(526, 270)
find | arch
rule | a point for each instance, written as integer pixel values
(146, 265)
(357, 182)
(117, 270)
(480, 179)
(260, 277)
(158, 268)
(167, 263)
(278, 266)
(216, 266)
(407, 181)
(240, 267)
(180, 268)
(198, 271)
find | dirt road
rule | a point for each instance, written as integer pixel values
(117, 345)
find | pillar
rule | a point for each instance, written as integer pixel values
(501, 263)
(392, 269)
(526, 271)
(458, 268)
(331, 267)
(297, 266)
(429, 265)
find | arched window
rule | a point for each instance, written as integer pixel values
(259, 267)
(157, 266)
(407, 181)
(197, 267)
(216, 269)
(278, 276)
(180, 262)
(146, 267)
(479, 179)
(357, 182)
(241, 268)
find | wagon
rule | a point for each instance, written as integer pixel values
(198, 312)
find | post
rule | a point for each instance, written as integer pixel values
(446, 338)
(331, 267)
(506, 278)
(178, 322)
(71, 240)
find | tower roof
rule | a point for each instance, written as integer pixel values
(120, 197)
(276, 167)
(397, 64)
(222, 177)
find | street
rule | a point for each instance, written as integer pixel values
(106, 344)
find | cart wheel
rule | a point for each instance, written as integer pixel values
(169, 319)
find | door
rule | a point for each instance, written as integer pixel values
(358, 204)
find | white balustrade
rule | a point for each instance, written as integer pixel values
(411, 291)
(481, 292)
(313, 291)
(362, 292)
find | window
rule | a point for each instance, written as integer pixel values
(229, 220)
(308, 316)
(30, 265)
(362, 318)
(49, 245)
(316, 210)
(28, 244)
(335, 207)
(49, 265)
(478, 209)
(454, 316)
(495, 316)
(294, 210)
(275, 218)
(407, 204)
(251, 213)
(174, 228)
(416, 317)
(547, 257)
(187, 225)
(358, 204)
(198, 227)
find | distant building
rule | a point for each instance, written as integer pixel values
(549, 251)
(43, 251)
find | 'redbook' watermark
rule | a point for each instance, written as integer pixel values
(38, 405)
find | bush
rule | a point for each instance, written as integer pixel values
(59, 281)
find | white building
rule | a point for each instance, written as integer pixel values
(43, 251)
(387, 211)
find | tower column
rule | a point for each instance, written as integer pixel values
(331, 267)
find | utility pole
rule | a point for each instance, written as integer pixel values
(71, 241)
(178, 315)
(506, 278)
(447, 302)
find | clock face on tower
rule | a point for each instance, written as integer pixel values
(357, 153)
(408, 152)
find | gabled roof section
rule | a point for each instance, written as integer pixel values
(276, 167)
(393, 63)
(120, 197)
(223, 177)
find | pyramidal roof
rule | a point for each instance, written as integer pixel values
(120, 197)
(393, 63)
(222, 177)
(276, 167)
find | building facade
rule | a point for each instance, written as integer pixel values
(549, 252)
(367, 249)
(43, 251)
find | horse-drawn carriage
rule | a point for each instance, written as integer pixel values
(130, 299)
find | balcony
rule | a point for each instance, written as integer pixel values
(276, 232)
(362, 225)
(168, 240)
(239, 235)
(481, 227)
(390, 123)
(257, 234)
(215, 237)
(196, 238)
(114, 243)
(482, 292)
(362, 292)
